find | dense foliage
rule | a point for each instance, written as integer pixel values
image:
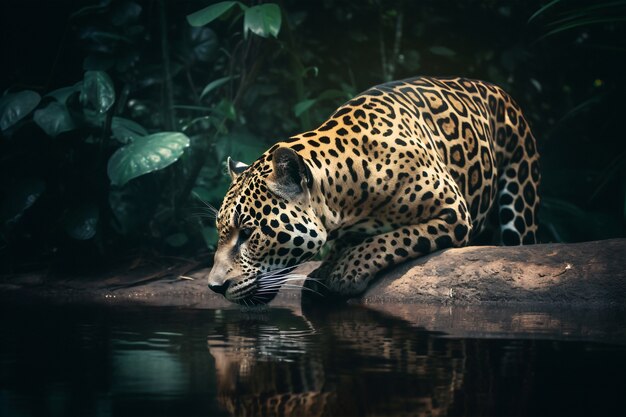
(117, 117)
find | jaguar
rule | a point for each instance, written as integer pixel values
(403, 169)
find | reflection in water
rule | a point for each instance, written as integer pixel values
(354, 361)
(341, 362)
(362, 363)
(266, 367)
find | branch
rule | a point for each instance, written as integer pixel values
(170, 116)
(575, 273)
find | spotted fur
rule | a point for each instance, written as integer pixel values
(402, 170)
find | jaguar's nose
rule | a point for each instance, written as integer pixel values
(220, 288)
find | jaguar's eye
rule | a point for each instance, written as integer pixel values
(244, 234)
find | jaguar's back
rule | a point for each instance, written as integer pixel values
(473, 128)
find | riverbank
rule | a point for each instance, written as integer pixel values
(549, 290)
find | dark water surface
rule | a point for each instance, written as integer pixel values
(71, 361)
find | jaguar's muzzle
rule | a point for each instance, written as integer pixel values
(247, 291)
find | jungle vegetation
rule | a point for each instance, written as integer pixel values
(116, 117)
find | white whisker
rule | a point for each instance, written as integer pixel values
(288, 278)
(203, 216)
(304, 289)
(209, 207)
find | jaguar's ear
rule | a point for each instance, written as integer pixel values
(235, 168)
(291, 177)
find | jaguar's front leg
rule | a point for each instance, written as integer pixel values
(318, 284)
(359, 264)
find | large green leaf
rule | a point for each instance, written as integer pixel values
(210, 13)
(81, 222)
(146, 154)
(98, 93)
(15, 106)
(54, 119)
(263, 20)
(62, 94)
(125, 130)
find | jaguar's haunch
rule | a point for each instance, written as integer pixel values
(403, 169)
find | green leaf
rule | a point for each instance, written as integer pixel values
(262, 20)
(19, 198)
(202, 43)
(54, 119)
(330, 94)
(584, 22)
(102, 37)
(542, 9)
(177, 240)
(146, 154)
(303, 106)
(536, 84)
(62, 94)
(15, 106)
(214, 84)
(442, 51)
(94, 119)
(125, 130)
(212, 12)
(82, 222)
(97, 93)
(225, 109)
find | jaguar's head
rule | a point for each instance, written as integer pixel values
(266, 227)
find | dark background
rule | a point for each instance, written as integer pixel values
(564, 66)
